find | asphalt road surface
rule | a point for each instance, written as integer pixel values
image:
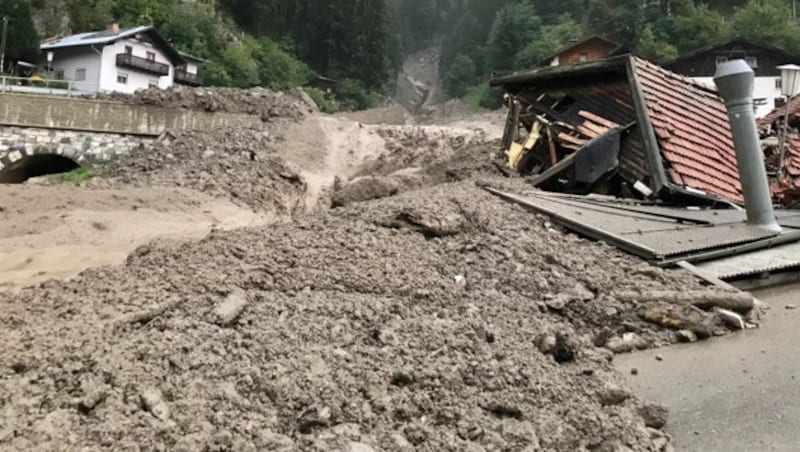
(737, 393)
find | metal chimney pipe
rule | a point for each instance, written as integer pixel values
(735, 79)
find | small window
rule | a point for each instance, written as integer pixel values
(151, 56)
(721, 59)
(752, 62)
(582, 58)
(129, 50)
(122, 78)
(80, 75)
(59, 74)
(153, 83)
(778, 84)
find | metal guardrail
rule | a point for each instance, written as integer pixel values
(27, 85)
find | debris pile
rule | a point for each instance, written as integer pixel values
(259, 101)
(238, 164)
(784, 176)
(623, 127)
(439, 319)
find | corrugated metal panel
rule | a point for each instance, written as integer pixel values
(771, 260)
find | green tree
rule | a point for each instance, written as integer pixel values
(515, 26)
(621, 20)
(461, 76)
(132, 13)
(353, 95)
(654, 48)
(550, 38)
(277, 68)
(88, 15)
(699, 26)
(22, 42)
(768, 21)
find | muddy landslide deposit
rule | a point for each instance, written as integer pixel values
(260, 101)
(238, 164)
(437, 319)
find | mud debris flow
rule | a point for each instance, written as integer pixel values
(420, 314)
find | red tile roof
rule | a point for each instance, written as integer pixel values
(786, 189)
(691, 126)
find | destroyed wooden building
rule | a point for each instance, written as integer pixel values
(621, 126)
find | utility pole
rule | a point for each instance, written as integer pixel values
(3, 44)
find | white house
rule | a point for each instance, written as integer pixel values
(118, 60)
(701, 65)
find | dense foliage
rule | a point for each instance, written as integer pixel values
(21, 40)
(479, 37)
(281, 44)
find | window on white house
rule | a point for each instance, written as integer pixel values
(59, 74)
(80, 75)
(752, 62)
(584, 57)
(151, 56)
(721, 59)
(122, 78)
(129, 50)
(778, 84)
(153, 83)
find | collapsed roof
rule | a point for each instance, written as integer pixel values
(679, 144)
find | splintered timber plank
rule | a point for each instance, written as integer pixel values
(587, 132)
(569, 139)
(597, 129)
(597, 119)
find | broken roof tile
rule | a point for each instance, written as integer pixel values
(699, 150)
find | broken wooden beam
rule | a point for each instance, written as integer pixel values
(703, 299)
(569, 139)
(597, 119)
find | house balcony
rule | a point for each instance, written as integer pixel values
(187, 78)
(129, 61)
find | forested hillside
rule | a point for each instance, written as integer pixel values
(281, 43)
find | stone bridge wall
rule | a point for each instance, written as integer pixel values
(114, 117)
(88, 130)
(83, 147)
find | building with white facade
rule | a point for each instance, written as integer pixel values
(116, 60)
(701, 64)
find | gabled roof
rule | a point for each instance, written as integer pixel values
(683, 124)
(580, 42)
(735, 39)
(106, 37)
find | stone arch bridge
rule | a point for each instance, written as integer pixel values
(42, 135)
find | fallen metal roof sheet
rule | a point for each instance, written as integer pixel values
(651, 236)
(771, 260)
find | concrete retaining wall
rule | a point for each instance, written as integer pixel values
(83, 147)
(115, 117)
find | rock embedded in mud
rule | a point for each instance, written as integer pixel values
(566, 348)
(612, 394)
(91, 398)
(686, 336)
(229, 310)
(654, 415)
(365, 189)
(153, 402)
(627, 343)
